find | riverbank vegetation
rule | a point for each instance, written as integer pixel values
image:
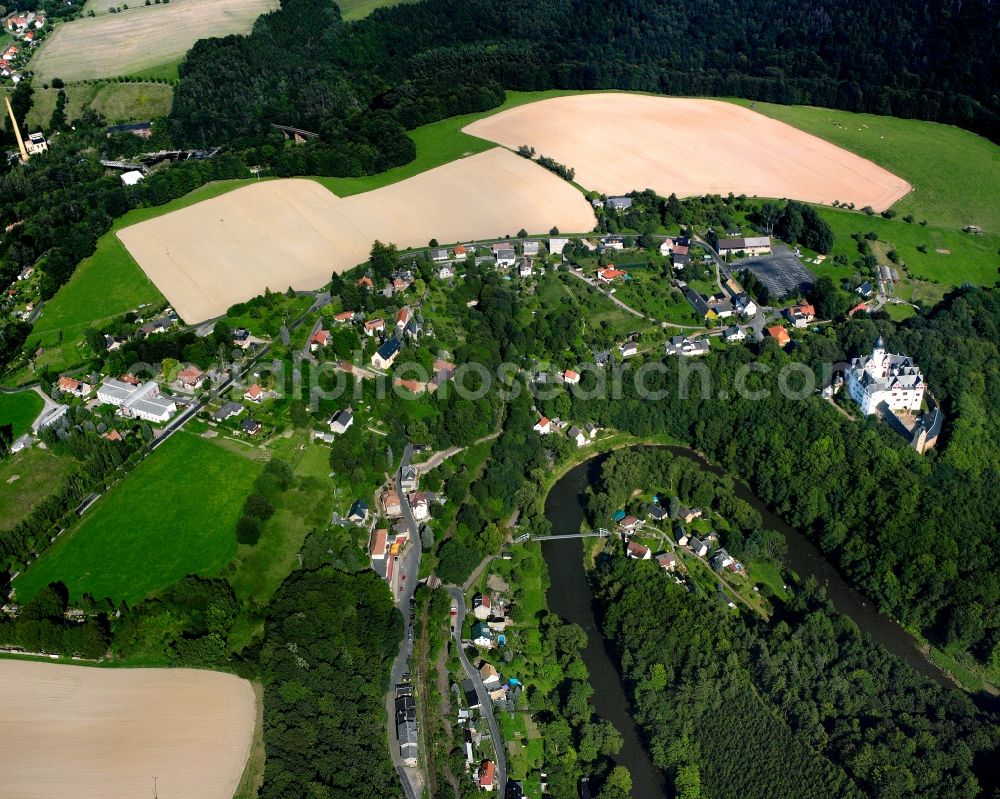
(904, 528)
(801, 706)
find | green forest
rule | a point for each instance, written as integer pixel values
(798, 706)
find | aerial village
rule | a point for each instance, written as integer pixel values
(26, 28)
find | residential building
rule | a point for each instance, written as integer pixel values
(446, 273)
(733, 333)
(882, 377)
(779, 334)
(254, 394)
(524, 268)
(409, 478)
(341, 421)
(78, 388)
(618, 203)
(373, 326)
(419, 505)
(695, 299)
(667, 561)
(482, 606)
(392, 507)
(570, 378)
(377, 544)
(628, 349)
(800, 314)
(609, 274)
(637, 551)
(227, 411)
(752, 246)
(530, 247)
(482, 635)
(486, 774)
(439, 255)
(406, 735)
(488, 674)
(386, 355)
(577, 436)
(131, 178)
(506, 258)
(250, 426)
(720, 305)
(359, 512)
(344, 317)
(36, 143)
(611, 243)
(319, 339)
(745, 305)
(365, 282)
(140, 402)
(241, 337)
(687, 347)
(190, 378)
(700, 548)
(471, 695)
(543, 426)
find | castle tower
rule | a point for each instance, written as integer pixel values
(17, 131)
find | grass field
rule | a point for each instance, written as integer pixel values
(140, 39)
(26, 478)
(954, 173)
(357, 9)
(20, 410)
(117, 102)
(174, 515)
(969, 258)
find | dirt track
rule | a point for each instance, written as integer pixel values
(623, 142)
(95, 733)
(295, 233)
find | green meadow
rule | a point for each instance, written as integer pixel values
(174, 515)
(20, 410)
(26, 478)
(954, 173)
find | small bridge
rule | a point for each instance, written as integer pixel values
(600, 532)
(295, 133)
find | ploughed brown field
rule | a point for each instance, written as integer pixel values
(619, 142)
(281, 233)
(93, 733)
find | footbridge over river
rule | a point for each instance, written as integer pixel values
(600, 532)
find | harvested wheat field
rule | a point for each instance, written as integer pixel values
(140, 38)
(623, 142)
(95, 733)
(282, 233)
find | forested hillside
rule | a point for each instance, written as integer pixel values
(358, 83)
(913, 532)
(801, 706)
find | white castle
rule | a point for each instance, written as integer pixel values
(883, 377)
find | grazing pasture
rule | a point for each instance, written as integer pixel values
(281, 233)
(26, 478)
(954, 173)
(174, 515)
(94, 733)
(620, 142)
(140, 39)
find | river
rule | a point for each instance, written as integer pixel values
(570, 597)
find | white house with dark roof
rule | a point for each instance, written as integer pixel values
(885, 378)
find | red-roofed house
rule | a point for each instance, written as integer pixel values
(343, 317)
(376, 549)
(319, 339)
(486, 772)
(365, 282)
(779, 334)
(800, 314)
(610, 274)
(70, 385)
(254, 394)
(637, 551)
(570, 377)
(543, 426)
(190, 377)
(413, 386)
(374, 326)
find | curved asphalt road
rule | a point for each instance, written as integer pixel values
(486, 704)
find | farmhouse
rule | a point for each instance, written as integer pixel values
(885, 378)
(758, 245)
(141, 402)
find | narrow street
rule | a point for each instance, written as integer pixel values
(485, 703)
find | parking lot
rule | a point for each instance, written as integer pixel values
(782, 272)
